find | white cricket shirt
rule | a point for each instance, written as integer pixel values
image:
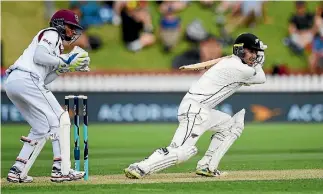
(50, 39)
(222, 80)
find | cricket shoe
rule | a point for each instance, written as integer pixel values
(14, 176)
(73, 175)
(134, 172)
(206, 172)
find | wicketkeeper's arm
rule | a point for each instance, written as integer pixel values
(43, 57)
(201, 66)
(51, 77)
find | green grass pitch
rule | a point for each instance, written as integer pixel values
(112, 147)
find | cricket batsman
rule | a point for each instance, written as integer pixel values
(196, 114)
(41, 62)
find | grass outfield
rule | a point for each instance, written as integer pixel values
(292, 147)
(275, 186)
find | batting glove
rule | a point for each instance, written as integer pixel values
(260, 58)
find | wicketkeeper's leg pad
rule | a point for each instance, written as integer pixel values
(38, 145)
(64, 142)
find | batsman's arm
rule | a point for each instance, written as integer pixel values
(201, 66)
(259, 76)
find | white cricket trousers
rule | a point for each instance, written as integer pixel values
(35, 102)
(195, 119)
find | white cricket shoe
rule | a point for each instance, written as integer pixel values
(134, 172)
(206, 172)
(14, 176)
(73, 175)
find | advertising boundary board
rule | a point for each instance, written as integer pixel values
(158, 107)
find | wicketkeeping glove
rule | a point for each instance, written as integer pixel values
(76, 60)
(85, 67)
(78, 49)
(62, 66)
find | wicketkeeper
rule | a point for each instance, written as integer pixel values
(196, 114)
(42, 62)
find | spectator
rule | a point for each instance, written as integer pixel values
(195, 32)
(93, 13)
(318, 19)
(300, 28)
(137, 28)
(224, 6)
(280, 69)
(251, 12)
(116, 7)
(90, 14)
(208, 48)
(176, 6)
(316, 57)
(170, 23)
(207, 3)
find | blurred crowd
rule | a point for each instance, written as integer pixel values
(138, 31)
(134, 18)
(305, 34)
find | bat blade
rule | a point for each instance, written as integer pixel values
(200, 66)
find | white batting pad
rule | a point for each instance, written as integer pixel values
(221, 148)
(184, 153)
(221, 142)
(163, 158)
(159, 160)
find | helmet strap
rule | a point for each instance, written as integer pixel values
(60, 27)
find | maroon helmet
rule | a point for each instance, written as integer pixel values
(66, 17)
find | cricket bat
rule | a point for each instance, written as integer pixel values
(201, 66)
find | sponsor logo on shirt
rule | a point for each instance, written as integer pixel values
(47, 41)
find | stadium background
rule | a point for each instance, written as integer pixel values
(133, 99)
